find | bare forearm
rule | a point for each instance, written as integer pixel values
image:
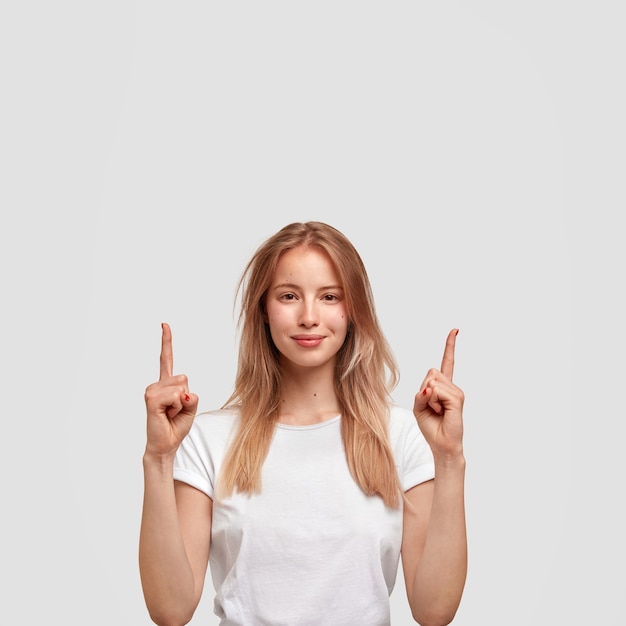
(440, 576)
(166, 574)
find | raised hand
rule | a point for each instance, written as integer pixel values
(438, 406)
(170, 406)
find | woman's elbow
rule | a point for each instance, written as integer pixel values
(433, 618)
(170, 618)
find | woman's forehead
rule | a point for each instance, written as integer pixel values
(305, 263)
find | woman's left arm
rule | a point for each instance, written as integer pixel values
(434, 540)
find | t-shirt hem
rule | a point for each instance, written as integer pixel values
(419, 475)
(194, 480)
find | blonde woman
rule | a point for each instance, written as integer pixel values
(306, 487)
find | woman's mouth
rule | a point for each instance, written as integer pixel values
(308, 341)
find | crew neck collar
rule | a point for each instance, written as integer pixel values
(328, 422)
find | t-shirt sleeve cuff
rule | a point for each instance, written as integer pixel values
(418, 475)
(194, 480)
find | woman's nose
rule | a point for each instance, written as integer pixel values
(308, 315)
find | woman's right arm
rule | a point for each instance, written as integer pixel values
(175, 531)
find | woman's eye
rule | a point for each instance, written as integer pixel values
(288, 296)
(331, 297)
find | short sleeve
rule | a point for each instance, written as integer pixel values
(413, 456)
(201, 452)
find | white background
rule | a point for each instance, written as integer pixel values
(474, 154)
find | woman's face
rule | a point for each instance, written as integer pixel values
(306, 309)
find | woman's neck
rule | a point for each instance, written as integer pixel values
(308, 397)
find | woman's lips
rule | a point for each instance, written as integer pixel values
(308, 341)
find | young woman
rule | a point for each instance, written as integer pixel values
(303, 491)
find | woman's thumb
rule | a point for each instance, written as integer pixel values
(190, 403)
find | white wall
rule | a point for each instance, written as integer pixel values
(473, 152)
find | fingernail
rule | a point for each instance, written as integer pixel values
(457, 332)
(187, 397)
(424, 392)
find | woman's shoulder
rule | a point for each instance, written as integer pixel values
(400, 416)
(225, 414)
(215, 423)
(402, 423)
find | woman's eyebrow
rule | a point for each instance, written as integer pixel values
(286, 286)
(294, 286)
(331, 288)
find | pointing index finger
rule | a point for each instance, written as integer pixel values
(167, 355)
(447, 363)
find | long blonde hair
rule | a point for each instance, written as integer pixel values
(366, 371)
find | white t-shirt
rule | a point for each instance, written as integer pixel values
(311, 549)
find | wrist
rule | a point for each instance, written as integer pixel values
(450, 461)
(158, 460)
